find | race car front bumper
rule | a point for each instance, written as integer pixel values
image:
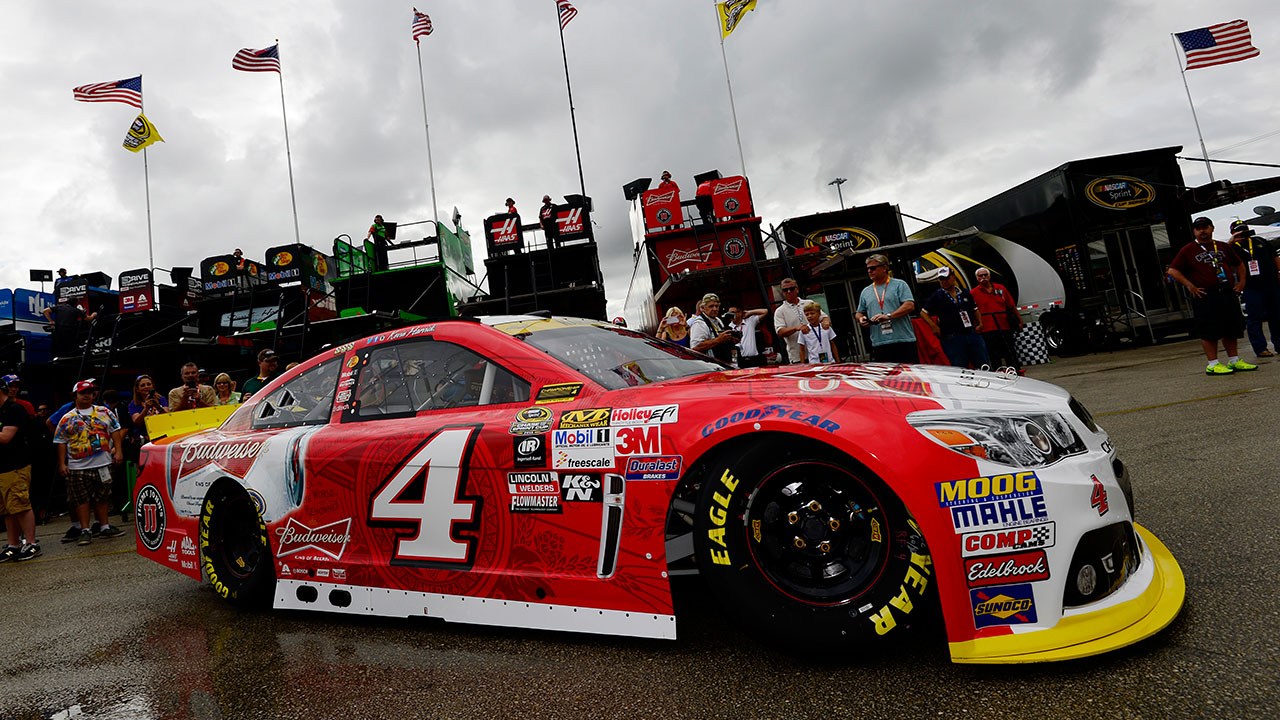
(1152, 599)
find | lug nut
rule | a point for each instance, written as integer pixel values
(800, 543)
(835, 524)
(792, 517)
(825, 547)
(814, 505)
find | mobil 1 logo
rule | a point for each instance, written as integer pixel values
(529, 451)
(580, 487)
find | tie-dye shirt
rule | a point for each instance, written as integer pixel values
(87, 435)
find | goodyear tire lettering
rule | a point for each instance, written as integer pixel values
(719, 516)
(917, 571)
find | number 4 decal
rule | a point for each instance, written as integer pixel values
(1099, 497)
(425, 496)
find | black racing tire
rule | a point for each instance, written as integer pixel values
(234, 550)
(809, 548)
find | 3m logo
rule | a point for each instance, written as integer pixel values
(590, 418)
(665, 197)
(638, 440)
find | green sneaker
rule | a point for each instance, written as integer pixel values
(1218, 369)
(1242, 365)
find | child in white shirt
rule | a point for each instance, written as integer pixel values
(815, 341)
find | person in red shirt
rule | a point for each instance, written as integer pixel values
(999, 319)
(15, 387)
(1205, 267)
(667, 183)
(702, 200)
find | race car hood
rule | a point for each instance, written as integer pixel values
(950, 387)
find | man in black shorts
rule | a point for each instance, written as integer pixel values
(1213, 274)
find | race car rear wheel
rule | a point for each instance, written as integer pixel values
(808, 546)
(236, 555)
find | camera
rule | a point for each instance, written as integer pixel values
(737, 334)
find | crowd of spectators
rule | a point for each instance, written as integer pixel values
(75, 460)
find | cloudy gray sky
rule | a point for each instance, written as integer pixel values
(930, 104)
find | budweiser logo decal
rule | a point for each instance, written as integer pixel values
(234, 457)
(727, 187)
(331, 539)
(699, 255)
(656, 199)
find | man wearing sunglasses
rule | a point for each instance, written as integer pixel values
(789, 320)
(885, 306)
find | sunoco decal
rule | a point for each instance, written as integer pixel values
(1004, 605)
(1118, 192)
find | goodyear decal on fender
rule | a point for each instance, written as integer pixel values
(559, 392)
(1007, 500)
(1003, 605)
(781, 412)
(592, 418)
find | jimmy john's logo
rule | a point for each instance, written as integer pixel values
(590, 418)
(842, 238)
(1117, 192)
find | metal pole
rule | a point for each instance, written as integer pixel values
(741, 158)
(297, 236)
(430, 168)
(1203, 152)
(581, 183)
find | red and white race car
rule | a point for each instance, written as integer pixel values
(556, 473)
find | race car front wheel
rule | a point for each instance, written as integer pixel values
(235, 553)
(808, 547)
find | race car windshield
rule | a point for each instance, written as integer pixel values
(618, 358)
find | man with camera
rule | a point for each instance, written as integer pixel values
(707, 332)
(743, 325)
(1261, 286)
(191, 394)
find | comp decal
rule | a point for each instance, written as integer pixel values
(1030, 566)
(558, 392)
(1008, 500)
(1027, 537)
(151, 519)
(1003, 605)
(780, 412)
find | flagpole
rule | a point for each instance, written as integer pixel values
(422, 82)
(581, 183)
(146, 182)
(741, 158)
(1203, 152)
(287, 152)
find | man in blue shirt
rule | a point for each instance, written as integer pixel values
(953, 315)
(885, 306)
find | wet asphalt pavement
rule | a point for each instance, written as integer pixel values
(97, 632)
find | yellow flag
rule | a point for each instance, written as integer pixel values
(141, 134)
(731, 12)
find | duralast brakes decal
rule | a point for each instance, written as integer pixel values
(917, 579)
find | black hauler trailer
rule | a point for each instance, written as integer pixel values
(1109, 226)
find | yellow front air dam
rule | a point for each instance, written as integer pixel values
(173, 425)
(1091, 633)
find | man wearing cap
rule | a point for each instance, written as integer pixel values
(64, 319)
(707, 333)
(1212, 272)
(15, 480)
(999, 319)
(268, 361)
(1261, 286)
(191, 393)
(547, 218)
(88, 440)
(953, 316)
(15, 388)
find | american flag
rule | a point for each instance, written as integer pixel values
(127, 91)
(1217, 44)
(264, 60)
(567, 12)
(421, 25)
